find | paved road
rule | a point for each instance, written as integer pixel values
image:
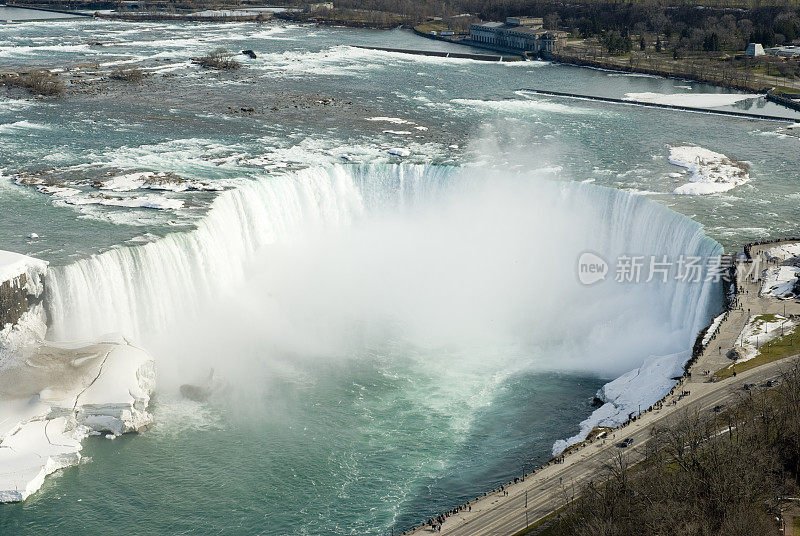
(550, 488)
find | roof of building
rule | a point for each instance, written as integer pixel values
(525, 30)
(490, 24)
(785, 50)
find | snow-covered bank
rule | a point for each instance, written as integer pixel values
(56, 395)
(629, 394)
(21, 284)
(781, 282)
(14, 265)
(711, 172)
(759, 330)
(783, 251)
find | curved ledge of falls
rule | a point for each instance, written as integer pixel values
(435, 256)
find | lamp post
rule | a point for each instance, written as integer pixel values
(526, 509)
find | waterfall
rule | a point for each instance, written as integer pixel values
(141, 289)
(144, 287)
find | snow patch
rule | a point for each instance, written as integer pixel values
(759, 330)
(149, 180)
(783, 251)
(780, 281)
(697, 100)
(711, 172)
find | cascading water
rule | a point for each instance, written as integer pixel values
(388, 324)
(139, 289)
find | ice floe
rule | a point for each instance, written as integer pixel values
(393, 120)
(140, 201)
(149, 180)
(711, 172)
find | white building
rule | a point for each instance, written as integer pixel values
(788, 51)
(525, 34)
(754, 49)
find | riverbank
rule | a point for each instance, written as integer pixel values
(687, 69)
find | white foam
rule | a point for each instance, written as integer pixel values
(16, 126)
(14, 105)
(522, 106)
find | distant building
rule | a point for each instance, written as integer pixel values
(523, 34)
(788, 51)
(754, 49)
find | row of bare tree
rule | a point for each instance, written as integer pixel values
(726, 475)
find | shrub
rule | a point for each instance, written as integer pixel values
(218, 59)
(128, 74)
(38, 82)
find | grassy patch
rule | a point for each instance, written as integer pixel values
(773, 350)
(546, 519)
(431, 26)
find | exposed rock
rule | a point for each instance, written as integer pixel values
(736, 353)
